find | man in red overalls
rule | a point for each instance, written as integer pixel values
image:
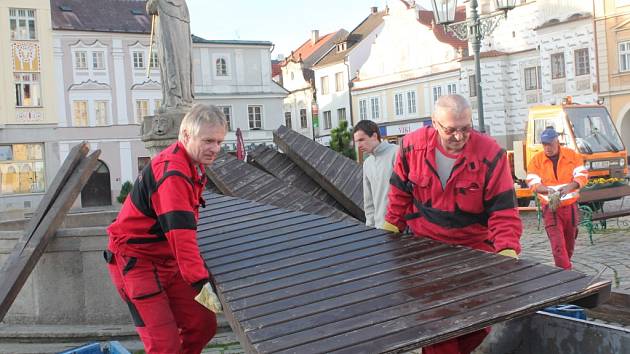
(453, 184)
(153, 256)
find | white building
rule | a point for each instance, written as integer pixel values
(543, 52)
(300, 106)
(401, 79)
(107, 81)
(335, 71)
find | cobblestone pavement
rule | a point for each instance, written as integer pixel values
(610, 248)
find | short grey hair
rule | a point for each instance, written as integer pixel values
(455, 103)
(201, 114)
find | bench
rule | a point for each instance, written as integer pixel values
(588, 216)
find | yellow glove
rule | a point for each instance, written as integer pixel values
(508, 252)
(390, 227)
(209, 299)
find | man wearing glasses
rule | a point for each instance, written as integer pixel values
(454, 185)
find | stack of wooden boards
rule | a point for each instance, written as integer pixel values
(50, 214)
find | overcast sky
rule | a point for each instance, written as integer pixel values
(285, 23)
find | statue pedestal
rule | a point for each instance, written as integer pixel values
(161, 130)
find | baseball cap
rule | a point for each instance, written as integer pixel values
(548, 135)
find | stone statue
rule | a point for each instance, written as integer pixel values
(174, 48)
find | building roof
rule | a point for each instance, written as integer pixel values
(197, 39)
(128, 16)
(369, 24)
(307, 49)
(426, 18)
(276, 68)
(572, 18)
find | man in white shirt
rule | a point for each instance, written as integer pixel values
(377, 169)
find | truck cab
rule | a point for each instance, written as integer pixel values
(586, 128)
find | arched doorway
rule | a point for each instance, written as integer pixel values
(97, 190)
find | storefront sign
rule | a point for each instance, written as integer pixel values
(29, 116)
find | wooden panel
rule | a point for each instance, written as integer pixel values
(236, 178)
(604, 194)
(306, 284)
(339, 176)
(27, 252)
(283, 168)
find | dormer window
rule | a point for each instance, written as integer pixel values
(341, 46)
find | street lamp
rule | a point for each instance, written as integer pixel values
(474, 30)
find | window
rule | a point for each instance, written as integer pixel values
(255, 117)
(451, 89)
(624, 56)
(27, 90)
(303, 120)
(227, 112)
(532, 79)
(80, 113)
(138, 60)
(153, 62)
(22, 169)
(80, 60)
(158, 105)
(411, 102)
(437, 92)
(557, 66)
(287, 119)
(325, 88)
(339, 81)
(374, 104)
(327, 120)
(324, 81)
(221, 66)
(582, 65)
(399, 104)
(101, 112)
(362, 109)
(98, 60)
(472, 85)
(142, 110)
(22, 24)
(341, 114)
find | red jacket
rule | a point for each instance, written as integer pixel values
(158, 220)
(478, 203)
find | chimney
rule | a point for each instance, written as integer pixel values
(374, 9)
(314, 36)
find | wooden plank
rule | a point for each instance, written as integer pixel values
(325, 167)
(283, 168)
(69, 165)
(237, 178)
(604, 194)
(24, 257)
(337, 287)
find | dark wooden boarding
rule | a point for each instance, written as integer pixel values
(282, 167)
(51, 212)
(337, 174)
(237, 178)
(292, 282)
(604, 194)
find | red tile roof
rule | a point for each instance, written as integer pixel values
(487, 54)
(276, 68)
(307, 49)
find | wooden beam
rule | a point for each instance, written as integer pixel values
(234, 177)
(25, 255)
(338, 175)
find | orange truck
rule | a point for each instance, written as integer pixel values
(586, 128)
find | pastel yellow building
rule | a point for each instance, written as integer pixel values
(28, 107)
(612, 43)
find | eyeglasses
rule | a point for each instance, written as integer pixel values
(451, 131)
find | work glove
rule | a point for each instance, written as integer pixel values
(508, 252)
(209, 299)
(390, 227)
